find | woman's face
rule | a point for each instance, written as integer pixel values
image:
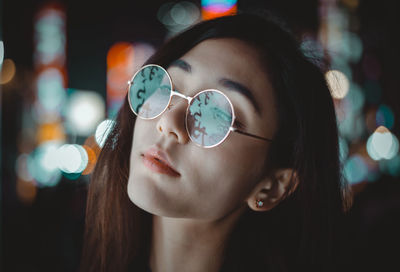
(208, 183)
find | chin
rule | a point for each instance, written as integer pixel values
(149, 198)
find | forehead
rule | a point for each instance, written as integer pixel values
(234, 59)
(227, 55)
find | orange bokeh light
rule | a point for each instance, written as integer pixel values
(120, 55)
(26, 191)
(91, 142)
(92, 159)
(210, 13)
(50, 131)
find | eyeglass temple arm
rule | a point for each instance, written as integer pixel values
(248, 134)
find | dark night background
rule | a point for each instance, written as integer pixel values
(47, 234)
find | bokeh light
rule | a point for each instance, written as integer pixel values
(343, 149)
(72, 158)
(85, 110)
(355, 169)
(91, 143)
(50, 37)
(351, 3)
(21, 167)
(347, 45)
(26, 191)
(51, 93)
(178, 16)
(102, 131)
(42, 164)
(123, 60)
(7, 71)
(1, 53)
(354, 99)
(382, 144)
(338, 83)
(392, 166)
(92, 159)
(216, 8)
(350, 107)
(49, 132)
(340, 64)
(184, 13)
(352, 126)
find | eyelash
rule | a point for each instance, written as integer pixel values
(238, 124)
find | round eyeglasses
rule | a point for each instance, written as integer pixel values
(209, 116)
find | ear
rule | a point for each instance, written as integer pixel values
(271, 190)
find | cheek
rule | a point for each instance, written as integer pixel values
(225, 177)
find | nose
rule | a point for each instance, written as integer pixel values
(172, 122)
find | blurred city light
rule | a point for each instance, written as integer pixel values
(1, 53)
(346, 45)
(72, 158)
(7, 71)
(84, 111)
(178, 16)
(50, 131)
(352, 126)
(351, 3)
(355, 169)
(338, 83)
(123, 60)
(42, 164)
(92, 144)
(382, 144)
(51, 93)
(354, 99)
(21, 167)
(392, 166)
(216, 8)
(26, 191)
(102, 131)
(92, 159)
(343, 149)
(50, 37)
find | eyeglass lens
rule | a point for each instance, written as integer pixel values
(150, 92)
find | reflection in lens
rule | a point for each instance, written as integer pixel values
(209, 118)
(150, 91)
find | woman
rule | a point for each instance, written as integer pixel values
(175, 190)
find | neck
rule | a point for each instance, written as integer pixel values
(193, 245)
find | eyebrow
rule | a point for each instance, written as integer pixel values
(227, 83)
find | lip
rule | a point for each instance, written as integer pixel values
(157, 161)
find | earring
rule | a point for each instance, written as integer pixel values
(259, 203)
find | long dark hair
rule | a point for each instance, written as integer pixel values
(301, 230)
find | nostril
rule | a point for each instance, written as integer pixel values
(174, 135)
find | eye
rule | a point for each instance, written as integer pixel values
(238, 124)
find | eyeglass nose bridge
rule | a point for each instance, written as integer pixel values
(187, 98)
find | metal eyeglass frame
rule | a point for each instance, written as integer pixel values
(189, 99)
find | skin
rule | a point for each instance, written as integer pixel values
(195, 212)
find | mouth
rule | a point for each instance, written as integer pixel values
(157, 162)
